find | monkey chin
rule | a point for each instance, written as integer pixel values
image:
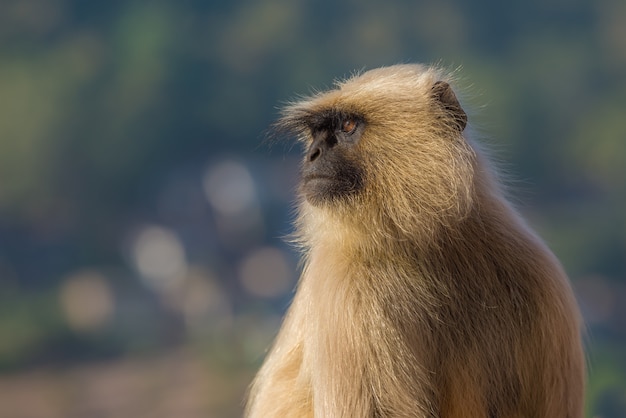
(321, 190)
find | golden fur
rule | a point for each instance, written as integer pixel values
(425, 295)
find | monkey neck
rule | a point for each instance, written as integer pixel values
(356, 239)
(374, 244)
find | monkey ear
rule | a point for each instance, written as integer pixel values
(442, 92)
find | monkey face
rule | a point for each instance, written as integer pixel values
(385, 146)
(330, 169)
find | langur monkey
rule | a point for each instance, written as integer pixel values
(423, 292)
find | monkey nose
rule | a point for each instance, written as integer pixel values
(319, 146)
(316, 149)
(314, 152)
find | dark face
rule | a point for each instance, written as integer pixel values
(331, 169)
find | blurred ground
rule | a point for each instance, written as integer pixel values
(178, 383)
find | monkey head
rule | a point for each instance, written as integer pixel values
(387, 147)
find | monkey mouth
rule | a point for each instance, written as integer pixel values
(320, 189)
(325, 184)
(316, 177)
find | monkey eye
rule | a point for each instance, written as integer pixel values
(348, 125)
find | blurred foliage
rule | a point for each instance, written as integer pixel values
(131, 132)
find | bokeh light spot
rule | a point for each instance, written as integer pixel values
(265, 272)
(86, 300)
(229, 188)
(159, 256)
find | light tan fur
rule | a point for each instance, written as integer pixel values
(425, 295)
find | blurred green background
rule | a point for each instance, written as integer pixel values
(142, 266)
